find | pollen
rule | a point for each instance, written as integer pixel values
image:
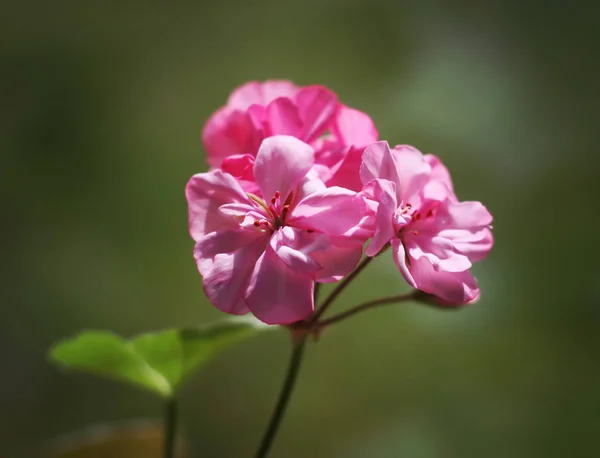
(415, 232)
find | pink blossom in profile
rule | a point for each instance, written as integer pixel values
(313, 114)
(263, 254)
(434, 237)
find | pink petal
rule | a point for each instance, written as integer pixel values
(281, 164)
(378, 162)
(454, 288)
(205, 193)
(384, 192)
(295, 248)
(257, 93)
(347, 173)
(400, 258)
(227, 132)
(240, 166)
(337, 262)
(353, 127)
(439, 252)
(317, 106)
(278, 295)
(476, 245)
(469, 215)
(439, 172)
(210, 245)
(333, 211)
(414, 171)
(226, 280)
(283, 119)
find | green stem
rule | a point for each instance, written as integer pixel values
(336, 292)
(284, 397)
(366, 306)
(170, 428)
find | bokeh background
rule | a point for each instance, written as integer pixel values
(102, 106)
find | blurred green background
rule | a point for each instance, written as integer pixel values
(102, 106)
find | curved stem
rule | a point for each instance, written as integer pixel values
(336, 292)
(170, 428)
(367, 306)
(284, 397)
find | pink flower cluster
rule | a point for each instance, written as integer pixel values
(299, 183)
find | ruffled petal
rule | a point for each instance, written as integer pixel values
(402, 261)
(278, 295)
(282, 118)
(336, 262)
(378, 162)
(333, 211)
(354, 128)
(414, 171)
(205, 193)
(439, 172)
(227, 132)
(383, 192)
(281, 164)
(226, 277)
(317, 106)
(453, 288)
(260, 93)
(295, 247)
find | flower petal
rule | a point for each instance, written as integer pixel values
(337, 262)
(333, 211)
(439, 172)
(414, 171)
(281, 164)
(383, 192)
(378, 162)
(469, 215)
(454, 288)
(354, 128)
(205, 193)
(226, 279)
(346, 173)
(260, 93)
(402, 261)
(317, 106)
(227, 132)
(210, 245)
(282, 118)
(278, 295)
(295, 248)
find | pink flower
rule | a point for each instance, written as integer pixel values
(256, 111)
(434, 237)
(263, 255)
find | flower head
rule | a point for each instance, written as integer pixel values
(255, 111)
(262, 252)
(435, 238)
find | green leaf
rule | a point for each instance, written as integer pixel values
(158, 361)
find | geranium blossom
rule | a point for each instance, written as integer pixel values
(434, 237)
(263, 254)
(256, 111)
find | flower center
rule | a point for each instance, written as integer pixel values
(407, 219)
(277, 211)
